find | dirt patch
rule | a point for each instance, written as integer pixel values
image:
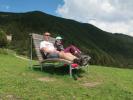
(45, 79)
(21, 57)
(10, 97)
(91, 84)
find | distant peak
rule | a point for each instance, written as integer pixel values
(40, 12)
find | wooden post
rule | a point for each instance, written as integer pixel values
(31, 51)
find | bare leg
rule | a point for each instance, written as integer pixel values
(67, 56)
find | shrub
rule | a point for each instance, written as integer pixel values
(3, 39)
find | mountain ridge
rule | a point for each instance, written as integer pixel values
(105, 48)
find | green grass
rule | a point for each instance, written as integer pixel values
(18, 81)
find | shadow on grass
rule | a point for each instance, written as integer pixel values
(60, 70)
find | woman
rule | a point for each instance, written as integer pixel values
(71, 49)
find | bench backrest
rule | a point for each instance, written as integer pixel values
(37, 38)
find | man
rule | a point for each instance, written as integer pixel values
(48, 48)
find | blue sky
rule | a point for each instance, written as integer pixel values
(47, 6)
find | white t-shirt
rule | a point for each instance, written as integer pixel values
(47, 44)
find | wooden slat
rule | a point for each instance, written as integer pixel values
(37, 38)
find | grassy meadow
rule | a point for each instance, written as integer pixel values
(19, 82)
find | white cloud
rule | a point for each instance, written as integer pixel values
(109, 15)
(115, 27)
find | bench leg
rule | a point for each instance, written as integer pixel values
(87, 68)
(70, 70)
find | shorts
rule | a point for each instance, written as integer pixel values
(53, 55)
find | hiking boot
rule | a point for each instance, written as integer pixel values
(77, 61)
(84, 60)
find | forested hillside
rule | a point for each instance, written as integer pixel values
(105, 48)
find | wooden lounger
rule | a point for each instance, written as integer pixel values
(35, 40)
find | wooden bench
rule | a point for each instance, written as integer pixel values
(35, 40)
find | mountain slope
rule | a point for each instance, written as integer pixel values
(105, 48)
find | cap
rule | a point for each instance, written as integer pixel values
(58, 38)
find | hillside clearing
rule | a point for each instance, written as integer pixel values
(18, 81)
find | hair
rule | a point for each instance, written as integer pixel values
(45, 32)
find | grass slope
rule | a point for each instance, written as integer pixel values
(17, 81)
